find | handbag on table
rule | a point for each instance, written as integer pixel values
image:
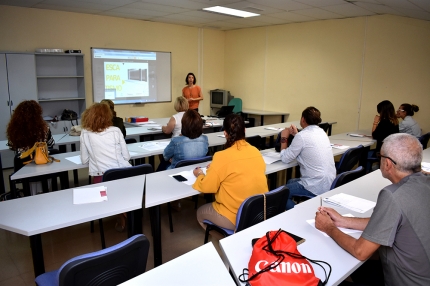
(39, 154)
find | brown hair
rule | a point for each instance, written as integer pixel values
(410, 109)
(97, 117)
(111, 105)
(192, 124)
(235, 128)
(186, 78)
(386, 111)
(312, 115)
(26, 125)
(181, 104)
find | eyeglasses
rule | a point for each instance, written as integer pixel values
(379, 155)
(400, 110)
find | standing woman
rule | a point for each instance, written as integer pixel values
(385, 123)
(102, 145)
(116, 121)
(192, 92)
(174, 125)
(408, 125)
(235, 174)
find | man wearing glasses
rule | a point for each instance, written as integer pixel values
(399, 225)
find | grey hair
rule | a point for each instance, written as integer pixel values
(405, 150)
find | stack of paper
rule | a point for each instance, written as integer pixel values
(339, 146)
(75, 159)
(425, 166)
(344, 230)
(154, 146)
(271, 157)
(89, 195)
(189, 175)
(274, 128)
(350, 202)
(223, 136)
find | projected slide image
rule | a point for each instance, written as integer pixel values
(127, 79)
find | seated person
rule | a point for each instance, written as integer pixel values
(408, 125)
(398, 226)
(235, 174)
(174, 125)
(191, 144)
(385, 123)
(312, 150)
(116, 121)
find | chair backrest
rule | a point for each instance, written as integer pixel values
(349, 159)
(251, 211)
(188, 162)
(237, 102)
(324, 126)
(347, 177)
(130, 140)
(424, 139)
(254, 141)
(110, 266)
(121, 173)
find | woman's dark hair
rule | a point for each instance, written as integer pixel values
(410, 109)
(26, 126)
(312, 115)
(386, 111)
(186, 79)
(111, 105)
(235, 128)
(192, 124)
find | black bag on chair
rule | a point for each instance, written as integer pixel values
(69, 115)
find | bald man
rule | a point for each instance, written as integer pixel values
(400, 223)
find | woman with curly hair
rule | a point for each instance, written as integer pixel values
(21, 135)
(102, 145)
(235, 174)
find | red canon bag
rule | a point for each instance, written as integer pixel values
(275, 260)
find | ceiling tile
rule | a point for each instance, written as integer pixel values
(378, 8)
(68, 9)
(287, 5)
(126, 15)
(107, 2)
(21, 3)
(187, 4)
(348, 10)
(318, 13)
(139, 12)
(424, 4)
(405, 4)
(319, 3)
(271, 20)
(292, 17)
(187, 18)
(417, 14)
(254, 8)
(156, 7)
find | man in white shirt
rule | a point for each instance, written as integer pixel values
(312, 150)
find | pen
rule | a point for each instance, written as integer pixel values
(320, 201)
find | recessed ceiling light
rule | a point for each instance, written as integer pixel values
(230, 11)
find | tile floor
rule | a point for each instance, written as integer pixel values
(60, 245)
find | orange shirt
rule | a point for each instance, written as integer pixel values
(193, 92)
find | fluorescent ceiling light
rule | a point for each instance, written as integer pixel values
(231, 12)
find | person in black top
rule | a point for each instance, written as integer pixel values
(385, 123)
(116, 121)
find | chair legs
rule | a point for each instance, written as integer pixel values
(208, 229)
(169, 213)
(102, 233)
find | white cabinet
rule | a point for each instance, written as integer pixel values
(60, 85)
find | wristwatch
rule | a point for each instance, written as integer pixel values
(284, 139)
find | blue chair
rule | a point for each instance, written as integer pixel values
(252, 211)
(237, 103)
(349, 159)
(120, 173)
(110, 266)
(347, 177)
(184, 163)
(424, 139)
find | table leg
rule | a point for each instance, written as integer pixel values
(2, 188)
(363, 159)
(283, 118)
(329, 129)
(156, 232)
(75, 172)
(134, 222)
(37, 253)
(262, 120)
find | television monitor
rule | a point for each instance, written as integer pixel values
(130, 77)
(220, 98)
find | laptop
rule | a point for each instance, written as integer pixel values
(225, 110)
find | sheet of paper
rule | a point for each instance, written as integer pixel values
(222, 136)
(189, 175)
(154, 146)
(155, 128)
(359, 135)
(147, 122)
(133, 153)
(271, 157)
(210, 124)
(339, 146)
(344, 230)
(274, 128)
(75, 159)
(350, 202)
(89, 195)
(425, 166)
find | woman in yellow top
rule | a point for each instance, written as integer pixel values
(192, 92)
(235, 174)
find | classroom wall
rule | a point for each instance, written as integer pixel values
(193, 50)
(344, 67)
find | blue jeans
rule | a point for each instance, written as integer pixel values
(296, 189)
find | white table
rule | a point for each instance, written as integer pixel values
(426, 155)
(237, 248)
(201, 266)
(347, 137)
(34, 215)
(263, 113)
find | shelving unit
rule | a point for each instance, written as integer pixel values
(60, 83)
